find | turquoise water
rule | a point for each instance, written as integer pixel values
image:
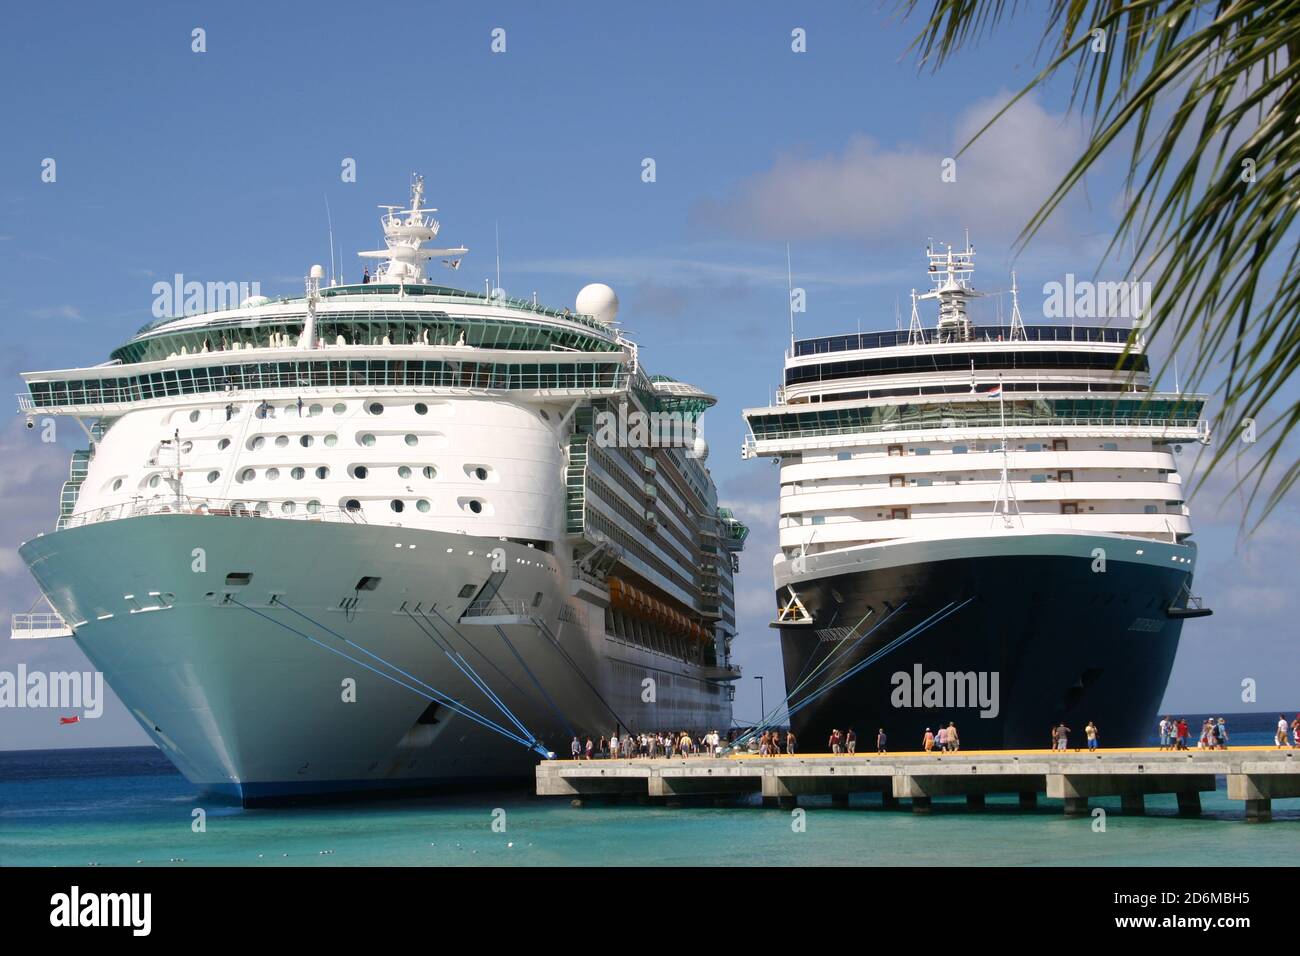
(128, 808)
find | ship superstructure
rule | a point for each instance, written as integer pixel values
(341, 541)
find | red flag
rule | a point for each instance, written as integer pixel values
(69, 720)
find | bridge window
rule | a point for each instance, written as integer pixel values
(1069, 508)
(898, 514)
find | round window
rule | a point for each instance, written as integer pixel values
(476, 506)
(298, 473)
(360, 471)
(340, 408)
(306, 441)
(322, 472)
(480, 474)
(272, 474)
(412, 440)
(403, 472)
(422, 504)
(246, 474)
(117, 484)
(421, 408)
(376, 408)
(353, 505)
(288, 507)
(194, 415)
(429, 471)
(213, 476)
(154, 481)
(313, 506)
(223, 444)
(282, 441)
(263, 508)
(367, 440)
(331, 441)
(255, 443)
(315, 410)
(396, 505)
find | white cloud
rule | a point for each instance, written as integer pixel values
(869, 190)
(57, 312)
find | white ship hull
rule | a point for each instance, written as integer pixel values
(246, 707)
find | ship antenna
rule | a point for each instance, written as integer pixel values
(330, 219)
(789, 294)
(496, 226)
(1017, 322)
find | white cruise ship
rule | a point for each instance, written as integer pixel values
(378, 536)
(978, 525)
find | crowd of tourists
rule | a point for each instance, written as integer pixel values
(625, 745)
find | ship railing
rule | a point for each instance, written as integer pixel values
(949, 423)
(497, 607)
(212, 507)
(37, 625)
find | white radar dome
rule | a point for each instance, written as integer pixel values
(700, 449)
(317, 272)
(598, 301)
(253, 301)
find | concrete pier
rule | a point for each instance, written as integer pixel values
(1255, 776)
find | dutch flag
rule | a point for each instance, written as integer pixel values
(994, 392)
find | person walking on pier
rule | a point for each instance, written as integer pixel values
(834, 741)
(851, 741)
(927, 742)
(1221, 730)
(1295, 730)
(1182, 733)
(881, 741)
(590, 746)
(1056, 735)
(789, 742)
(575, 748)
(1062, 737)
(954, 742)
(1091, 733)
(941, 738)
(1165, 733)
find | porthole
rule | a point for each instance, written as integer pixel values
(154, 481)
(429, 471)
(322, 472)
(281, 441)
(331, 441)
(306, 441)
(397, 505)
(352, 504)
(367, 439)
(247, 474)
(480, 474)
(315, 410)
(412, 440)
(288, 507)
(272, 474)
(340, 408)
(421, 408)
(194, 415)
(238, 507)
(213, 476)
(290, 410)
(475, 506)
(256, 442)
(422, 504)
(298, 473)
(117, 484)
(403, 471)
(223, 444)
(376, 408)
(263, 508)
(187, 447)
(313, 506)
(360, 471)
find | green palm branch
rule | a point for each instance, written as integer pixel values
(1207, 92)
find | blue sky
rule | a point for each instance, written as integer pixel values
(218, 164)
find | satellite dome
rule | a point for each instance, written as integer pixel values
(700, 450)
(598, 301)
(253, 301)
